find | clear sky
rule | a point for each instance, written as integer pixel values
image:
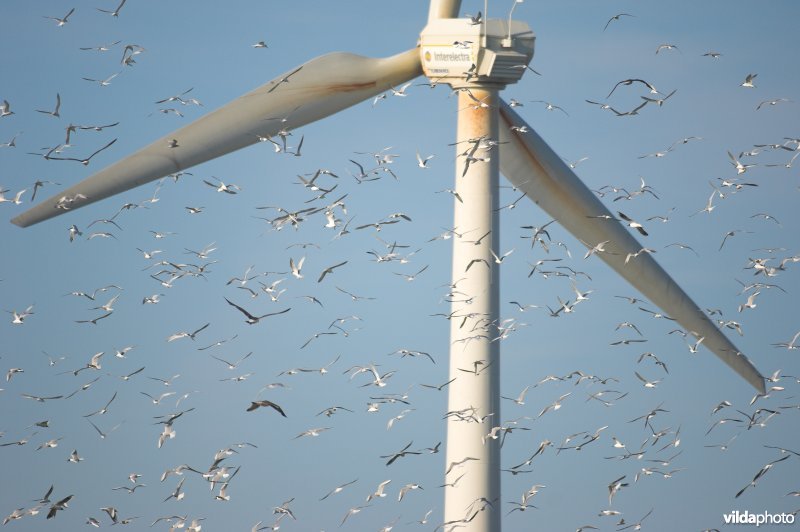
(204, 51)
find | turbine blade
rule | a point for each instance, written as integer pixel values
(443, 9)
(318, 88)
(534, 168)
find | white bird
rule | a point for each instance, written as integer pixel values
(401, 91)
(157, 400)
(614, 487)
(63, 20)
(647, 383)
(54, 112)
(423, 163)
(18, 318)
(338, 489)
(379, 491)
(190, 335)
(312, 432)
(520, 400)
(16, 200)
(748, 81)
(222, 187)
(751, 301)
(740, 167)
(405, 489)
(550, 107)
(353, 511)
(616, 17)
(632, 223)
(666, 47)
(103, 82)
(772, 102)
(167, 433)
(5, 109)
(114, 13)
(599, 248)
(296, 267)
(74, 458)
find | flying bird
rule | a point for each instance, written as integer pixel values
(329, 270)
(251, 319)
(60, 22)
(258, 404)
(616, 17)
(748, 81)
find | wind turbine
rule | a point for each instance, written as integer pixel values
(478, 57)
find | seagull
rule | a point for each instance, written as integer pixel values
(105, 408)
(327, 270)
(114, 13)
(633, 223)
(614, 487)
(62, 504)
(251, 319)
(312, 432)
(616, 17)
(11, 143)
(18, 318)
(748, 81)
(54, 112)
(401, 91)
(394, 456)
(647, 383)
(413, 276)
(257, 404)
(750, 301)
(761, 473)
(157, 400)
(772, 102)
(550, 107)
(5, 109)
(296, 267)
(520, 400)
(656, 314)
(352, 511)
(60, 22)
(103, 82)
(600, 247)
(659, 101)
(423, 163)
(740, 168)
(379, 491)
(730, 233)
(650, 86)
(666, 47)
(191, 335)
(84, 162)
(338, 489)
(222, 187)
(284, 79)
(475, 20)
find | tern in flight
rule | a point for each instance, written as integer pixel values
(252, 320)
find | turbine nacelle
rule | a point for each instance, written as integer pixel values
(459, 51)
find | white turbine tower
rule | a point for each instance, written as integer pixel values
(479, 57)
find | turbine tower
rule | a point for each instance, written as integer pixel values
(477, 57)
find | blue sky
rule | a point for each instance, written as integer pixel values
(199, 46)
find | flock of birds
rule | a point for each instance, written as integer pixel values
(261, 300)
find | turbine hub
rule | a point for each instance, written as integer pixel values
(461, 52)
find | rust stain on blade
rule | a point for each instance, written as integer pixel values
(349, 87)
